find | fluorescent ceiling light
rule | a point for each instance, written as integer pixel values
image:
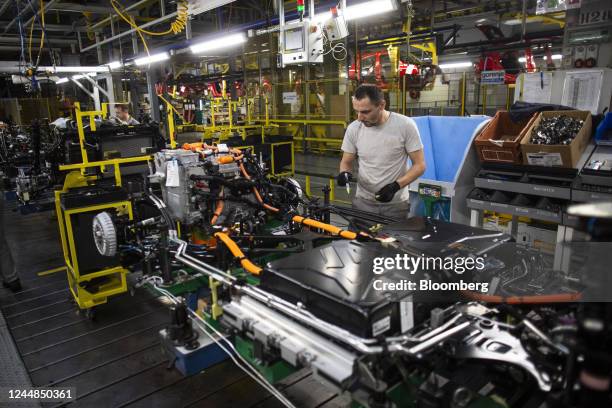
(74, 69)
(61, 81)
(369, 8)
(162, 56)
(114, 65)
(221, 42)
(463, 64)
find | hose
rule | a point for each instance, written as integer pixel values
(194, 146)
(325, 227)
(161, 206)
(42, 35)
(257, 195)
(235, 250)
(176, 27)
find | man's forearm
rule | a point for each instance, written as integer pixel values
(346, 167)
(412, 174)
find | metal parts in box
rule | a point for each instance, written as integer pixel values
(557, 155)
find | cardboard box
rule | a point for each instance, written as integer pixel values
(500, 140)
(556, 155)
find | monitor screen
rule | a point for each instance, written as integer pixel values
(294, 39)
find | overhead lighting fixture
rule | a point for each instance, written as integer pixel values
(369, 8)
(61, 81)
(221, 42)
(114, 65)
(162, 56)
(74, 69)
(463, 64)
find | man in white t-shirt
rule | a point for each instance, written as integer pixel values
(383, 142)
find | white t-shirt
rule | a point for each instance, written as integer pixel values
(382, 153)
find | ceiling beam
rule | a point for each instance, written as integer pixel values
(48, 6)
(79, 8)
(52, 41)
(135, 6)
(124, 33)
(5, 6)
(54, 27)
(23, 11)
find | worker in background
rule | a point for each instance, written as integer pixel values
(122, 116)
(382, 141)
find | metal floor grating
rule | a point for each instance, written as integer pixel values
(116, 360)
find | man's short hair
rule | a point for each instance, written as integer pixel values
(122, 107)
(371, 91)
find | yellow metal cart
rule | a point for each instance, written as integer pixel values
(91, 280)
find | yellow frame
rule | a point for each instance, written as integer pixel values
(118, 283)
(78, 178)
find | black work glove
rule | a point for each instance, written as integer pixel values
(344, 178)
(385, 194)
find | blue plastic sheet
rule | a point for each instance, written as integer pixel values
(603, 134)
(445, 141)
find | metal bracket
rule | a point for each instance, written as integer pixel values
(487, 341)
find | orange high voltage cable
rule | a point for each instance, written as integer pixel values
(238, 254)
(325, 227)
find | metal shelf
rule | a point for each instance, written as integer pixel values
(519, 211)
(524, 188)
(587, 196)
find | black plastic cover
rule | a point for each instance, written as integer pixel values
(335, 282)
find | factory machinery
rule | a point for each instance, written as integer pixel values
(254, 271)
(29, 157)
